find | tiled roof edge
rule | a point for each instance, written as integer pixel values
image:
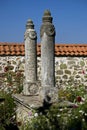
(16, 49)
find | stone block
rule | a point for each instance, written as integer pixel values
(65, 76)
(68, 72)
(63, 66)
(31, 88)
(71, 62)
(59, 72)
(49, 94)
(82, 63)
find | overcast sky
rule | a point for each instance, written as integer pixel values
(69, 19)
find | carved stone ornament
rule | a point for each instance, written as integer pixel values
(47, 25)
(31, 34)
(48, 29)
(33, 88)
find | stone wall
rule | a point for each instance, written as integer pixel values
(71, 71)
(68, 70)
(16, 61)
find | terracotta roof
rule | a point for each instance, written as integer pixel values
(11, 48)
(60, 49)
(71, 49)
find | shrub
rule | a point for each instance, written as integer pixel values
(7, 110)
(13, 81)
(63, 118)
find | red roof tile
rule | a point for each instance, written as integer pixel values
(60, 49)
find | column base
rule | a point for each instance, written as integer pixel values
(49, 94)
(31, 88)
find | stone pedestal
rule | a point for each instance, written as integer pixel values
(32, 88)
(49, 94)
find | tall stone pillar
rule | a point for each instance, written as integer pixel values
(47, 33)
(30, 40)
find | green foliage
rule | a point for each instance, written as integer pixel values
(7, 110)
(77, 115)
(71, 93)
(63, 118)
(13, 80)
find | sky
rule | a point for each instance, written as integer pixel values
(69, 19)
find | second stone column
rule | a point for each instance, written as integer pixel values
(47, 33)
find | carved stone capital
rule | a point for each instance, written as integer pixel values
(47, 25)
(29, 24)
(49, 29)
(31, 34)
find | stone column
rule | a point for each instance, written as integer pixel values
(47, 34)
(30, 40)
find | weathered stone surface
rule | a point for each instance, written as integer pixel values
(47, 33)
(59, 72)
(77, 76)
(15, 60)
(28, 101)
(74, 72)
(47, 25)
(71, 62)
(47, 50)
(30, 85)
(71, 77)
(32, 88)
(76, 67)
(82, 63)
(0, 68)
(65, 77)
(30, 53)
(85, 76)
(69, 58)
(63, 66)
(68, 72)
(58, 77)
(56, 63)
(49, 94)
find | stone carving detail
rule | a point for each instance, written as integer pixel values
(33, 88)
(47, 25)
(51, 31)
(48, 29)
(31, 34)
